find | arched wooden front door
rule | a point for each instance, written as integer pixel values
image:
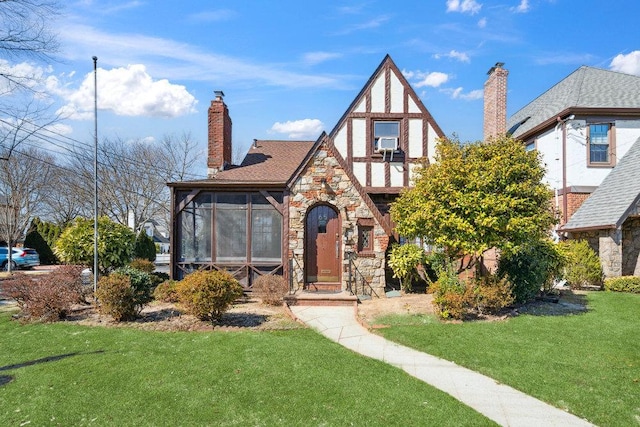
(322, 249)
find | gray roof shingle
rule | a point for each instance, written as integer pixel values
(613, 201)
(587, 87)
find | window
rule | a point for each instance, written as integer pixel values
(365, 238)
(386, 135)
(195, 230)
(231, 227)
(601, 142)
(266, 230)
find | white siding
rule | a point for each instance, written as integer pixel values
(377, 175)
(397, 174)
(359, 134)
(377, 95)
(397, 95)
(413, 107)
(415, 138)
(360, 172)
(340, 142)
(362, 106)
(431, 143)
(549, 144)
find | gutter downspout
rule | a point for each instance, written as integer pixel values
(565, 204)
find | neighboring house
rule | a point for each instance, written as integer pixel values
(583, 126)
(158, 235)
(587, 129)
(311, 211)
(610, 218)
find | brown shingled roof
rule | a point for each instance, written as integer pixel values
(267, 161)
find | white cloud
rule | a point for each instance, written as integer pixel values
(629, 63)
(458, 93)
(313, 58)
(23, 74)
(454, 54)
(433, 79)
(298, 129)
(482, 23)
(129, 91)
(465, 6)
(180, 61)
(523, 7)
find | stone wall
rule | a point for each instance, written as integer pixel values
(631, 247)
(324, 181)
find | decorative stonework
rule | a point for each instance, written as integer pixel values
(324, 181)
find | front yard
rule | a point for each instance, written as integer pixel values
(587, 363)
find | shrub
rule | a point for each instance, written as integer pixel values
(489, 294)
(141, 283)
(116, 297)
(115, 244)
(208, 294)
(271, 289)
(145, 248)
(48, 297)
(404, 261)
(448, 295)
(35, 241)
(532, 267)
(623, 284)
(143, 265)
(166, 291)
(582, 266)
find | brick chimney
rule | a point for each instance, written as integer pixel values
(495, 102)
(219, 153)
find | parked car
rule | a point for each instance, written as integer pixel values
(20, 258)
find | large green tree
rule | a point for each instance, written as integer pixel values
(475, 197)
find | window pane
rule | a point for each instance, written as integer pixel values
(231, 201)
(391, 129)
(195, 242)
(266, 235)
(231, 234)
(599, 143)
(258, 201)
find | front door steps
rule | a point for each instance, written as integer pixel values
(316, 298)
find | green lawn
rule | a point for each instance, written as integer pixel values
(586, 363)
(69, 375)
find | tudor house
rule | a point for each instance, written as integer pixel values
(315, 212)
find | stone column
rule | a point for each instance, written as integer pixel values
(611, 252)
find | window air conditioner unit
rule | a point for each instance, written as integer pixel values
(386, 144)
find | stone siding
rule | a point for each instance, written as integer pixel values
(631, 247)
(323, 181)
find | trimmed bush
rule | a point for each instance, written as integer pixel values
(208, 294)
(582, 267)
(143, 265)
(141, 283)
(531, 268)
(145, 248)
(622, 284)
(166, 291)
(490, 294)
(116, 297)
(270, 289)
(115, 244)
(45, 298)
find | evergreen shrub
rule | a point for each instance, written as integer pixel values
(208, 294)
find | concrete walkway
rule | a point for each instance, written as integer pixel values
(502, 404)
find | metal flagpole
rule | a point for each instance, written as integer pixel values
(95, 175)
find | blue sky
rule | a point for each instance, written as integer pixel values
(290, 69)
